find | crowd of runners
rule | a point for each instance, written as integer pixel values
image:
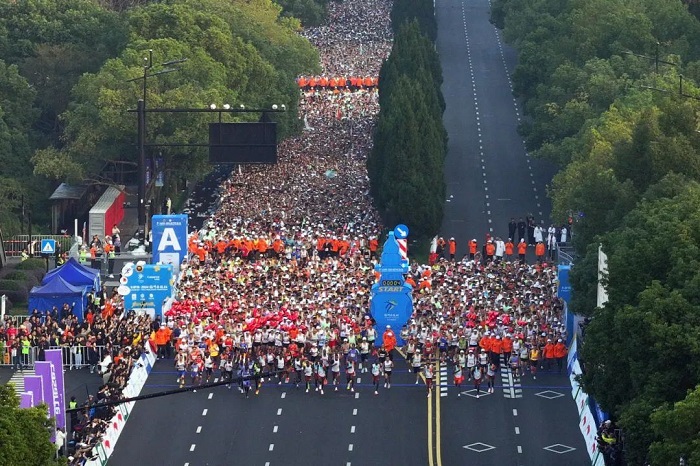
(279, 280)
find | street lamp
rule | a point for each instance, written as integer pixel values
(141, 114)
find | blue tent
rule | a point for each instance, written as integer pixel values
(75, 274)
(58, 292)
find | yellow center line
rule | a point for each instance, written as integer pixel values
(438, 444)
(430, 415)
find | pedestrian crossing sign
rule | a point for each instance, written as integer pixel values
(48, 246)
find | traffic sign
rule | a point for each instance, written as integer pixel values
(401, 231)
(48, 246)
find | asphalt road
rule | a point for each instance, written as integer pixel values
(490, 179)
(283, 425)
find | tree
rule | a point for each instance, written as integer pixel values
(24, 433)
(677, 427)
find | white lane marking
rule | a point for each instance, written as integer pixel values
(350, 447)
(272, 447)
(520, 449)
(357, 395)
(279, 412)
(192, 447)
(199, 429)
(187, 464)
(517, 430)
(216, 379)
(284, 395)
(211, 395)
(354, 412)
(352, 429)
(515, 412)
(267, 463)
(359, 380)
(274, 430)
(204, 412)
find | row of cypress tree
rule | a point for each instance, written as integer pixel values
(410, 142)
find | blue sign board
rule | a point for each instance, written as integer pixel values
(48, 246)
(146, 289)
(169, 239)
(401, 231)
(392, 302)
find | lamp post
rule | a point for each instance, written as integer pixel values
(141, 115)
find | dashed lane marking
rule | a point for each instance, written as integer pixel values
(272, 447)
(211, 395)
(279, 412)
(350, 447)
(517, 430)
(199, 429)
(192, 447)
(354, 412)
(352, 429)
(284, 395)
(274, 429)
(515, 412)
(205, 411)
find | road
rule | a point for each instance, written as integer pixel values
(283, 425)
(489, 175)
(491, 178)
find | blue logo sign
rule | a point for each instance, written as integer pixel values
(48, 246)
(401, 231)
(392, 303)
(169, 239)
(148, 288)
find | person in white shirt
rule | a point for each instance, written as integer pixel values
(60, 440)
(388, 367)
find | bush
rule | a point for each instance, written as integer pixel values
(14, 285)
(16, 296)
(32, 264)
(28, 278)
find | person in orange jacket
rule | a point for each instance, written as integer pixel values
(507, 347)
(540, 251)
(389, 339)
(373, 246)
(560, 352)
(510, 247)
(453, 248)
(522, 250)
(496, 351)
(485, 342)
(472, 248)
(490, 251)
(548, 355)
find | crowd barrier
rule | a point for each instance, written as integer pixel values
(587, 421)
(74, 357)
(18, 243)
(103, 450)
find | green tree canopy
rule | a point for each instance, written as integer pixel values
(24, 433)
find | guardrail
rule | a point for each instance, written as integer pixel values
(14, 246)
(74, 357)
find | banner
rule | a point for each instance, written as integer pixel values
(392, 302)
(47, 372)
(35, 385)
(145, 287)
(169, 239)
(55, 357)
(26, 400)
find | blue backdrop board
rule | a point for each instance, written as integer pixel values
(146, 286)
(75, 274)
(169, 239)
(58, 292)
(564, 292)
(392, 303)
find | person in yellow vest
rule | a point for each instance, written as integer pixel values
(25, 255)
(26, 346)
(111, 256)
(83, 255)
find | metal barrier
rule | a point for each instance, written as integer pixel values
(74, 357)
(14, 246)
(566, 254)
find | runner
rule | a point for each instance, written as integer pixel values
(388, 367)
(376, 374)
(478, 375)
(350, 373)
(308, 373)
(335, 370)
(320, 376)
(416, 363)
(490, 376)
(181, 366)
(429, 377)
(459, 378)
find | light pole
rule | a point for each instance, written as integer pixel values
(141, 116)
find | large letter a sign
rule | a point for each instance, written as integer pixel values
(169, 239)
